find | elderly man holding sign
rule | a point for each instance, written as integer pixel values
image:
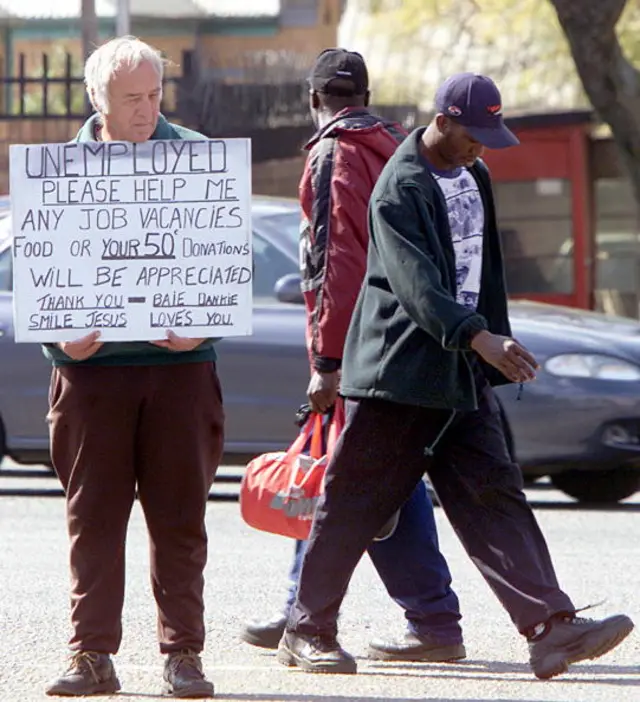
(134, 405)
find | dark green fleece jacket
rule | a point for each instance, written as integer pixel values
(136, 353)
(409, 340)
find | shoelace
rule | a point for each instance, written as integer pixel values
(582, 620)
(323, 643)
(85, 660)
(185, 657)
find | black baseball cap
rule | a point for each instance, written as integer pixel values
(346, 68)
(474, 101)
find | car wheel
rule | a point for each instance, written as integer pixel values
(598, 486)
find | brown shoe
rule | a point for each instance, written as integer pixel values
(89, 673)
(183, 676)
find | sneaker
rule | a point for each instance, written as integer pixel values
(183, 676)
(569, 639)
(89, 673)
(265, 633)
(315, 654)
(412, 647)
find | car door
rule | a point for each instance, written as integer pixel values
(264, 376)
(24, 377)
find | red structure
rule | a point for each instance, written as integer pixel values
(545, 187)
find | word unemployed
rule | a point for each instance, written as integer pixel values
(114, 158)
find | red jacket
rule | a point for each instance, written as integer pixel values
(346, 158)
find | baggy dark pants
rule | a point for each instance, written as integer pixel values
(377, 463)
(157, 429)
(413, 571)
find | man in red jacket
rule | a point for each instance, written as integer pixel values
(346, 156)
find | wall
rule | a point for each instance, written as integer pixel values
(33, 49)
(224, 41)
(31, 131)
(228, 50)
(278, 178)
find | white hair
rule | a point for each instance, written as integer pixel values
(123, 52)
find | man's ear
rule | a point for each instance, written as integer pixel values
(314, 100)
(443, 124)
(367, 98)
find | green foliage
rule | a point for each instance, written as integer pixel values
(56, 98)
(412, 45)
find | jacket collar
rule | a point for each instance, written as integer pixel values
(410, 151)
(88, 130)
(345, 116)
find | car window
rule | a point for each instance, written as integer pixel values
(6, 270)
(285, 226)
(270, 264)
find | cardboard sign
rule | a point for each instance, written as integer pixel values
(131, 239)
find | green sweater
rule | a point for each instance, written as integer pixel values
(136, 353)
(409, 340)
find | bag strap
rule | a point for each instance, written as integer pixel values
(336, 426)
(316, 449)
(314, 429)
(297, 447)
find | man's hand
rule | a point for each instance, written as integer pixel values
(323, 391)
(173, 342)
(507, 355)
(81, 349)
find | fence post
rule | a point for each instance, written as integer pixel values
(68, 66)
(45, 85)
(21, 82)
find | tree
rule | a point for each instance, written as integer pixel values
(555, 54)
(411, 45)
(610, 80)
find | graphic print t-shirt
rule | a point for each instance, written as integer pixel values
(466, 220)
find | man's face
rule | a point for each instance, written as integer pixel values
(457, 146)
(134, 103)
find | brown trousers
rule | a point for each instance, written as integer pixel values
(155, 429)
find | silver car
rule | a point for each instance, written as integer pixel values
(579, 422)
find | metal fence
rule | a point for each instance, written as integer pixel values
(275, 115)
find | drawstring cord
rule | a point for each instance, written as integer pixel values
(430, 449)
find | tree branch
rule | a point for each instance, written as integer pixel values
(609, 79)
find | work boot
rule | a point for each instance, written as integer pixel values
(412, 647)
(265, 633)
(183, 676)
(89, 673)
(567, 639)
(315, 654)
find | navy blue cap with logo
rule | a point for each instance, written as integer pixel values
(474, 102)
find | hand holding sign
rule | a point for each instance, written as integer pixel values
(83, 348)
(173, 342)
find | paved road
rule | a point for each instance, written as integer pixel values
(596, 552)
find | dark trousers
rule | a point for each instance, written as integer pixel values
(377, 463)
(412, 569)
(155, 429)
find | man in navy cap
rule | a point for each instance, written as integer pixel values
(428, 340)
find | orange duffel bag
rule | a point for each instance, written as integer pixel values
(279, 491)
